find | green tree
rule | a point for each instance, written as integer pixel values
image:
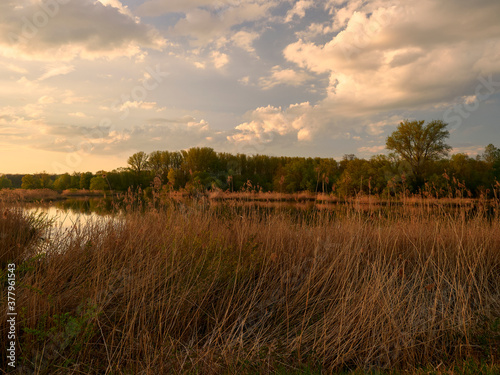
(200, 159)
(37, 181)
(62, 182)
(85, 180)
(98, 183)
(355, 176)
(45, 180)
(75, 181)
(138, 162)
(30, 182)
(5, 183)
(297, 175)
(418, 144)
(491, 154)
(492, 157)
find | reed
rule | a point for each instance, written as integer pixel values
(209, 289)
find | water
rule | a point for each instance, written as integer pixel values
(69, 217)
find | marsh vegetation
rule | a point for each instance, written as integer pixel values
(228, 286)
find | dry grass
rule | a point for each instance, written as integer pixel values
(25, 195)
(19, 195)
(270, 196)
(19, 234)
(192, 289)
(82, 193)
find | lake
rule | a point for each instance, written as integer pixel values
(72, 215)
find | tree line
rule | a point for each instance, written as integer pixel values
(419, 161)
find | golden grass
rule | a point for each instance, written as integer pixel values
(31, 195)
(17, 195)
(18, 234)
(82, 193)
(270, 196)
(191, 289)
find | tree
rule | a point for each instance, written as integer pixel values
(98, 183)
(138, 162)
(492, 157)
(75, 181)
(37, 181)
(85, 180)
(200, 159)
(62, 182)
(418, 144)
(5, 182)
(45, 180)
(30, 182)
(160, 162)
(491, 154)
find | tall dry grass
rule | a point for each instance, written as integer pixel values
(19, 234)
(192, 289)
(23, 195)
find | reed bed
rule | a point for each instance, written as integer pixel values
(202, 289)
(22, 195)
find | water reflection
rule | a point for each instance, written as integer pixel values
(70, 215)
(99, 206)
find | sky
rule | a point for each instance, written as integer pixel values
(84, 84)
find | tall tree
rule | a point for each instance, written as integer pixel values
(491, 154)
(138, 162)
(492, 157)
(418, 144)
(85, 180)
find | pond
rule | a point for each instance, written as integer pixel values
(71, 215)
(74, 214)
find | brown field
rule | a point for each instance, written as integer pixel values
(231, 288)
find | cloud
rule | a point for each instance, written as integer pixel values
(391, 47)
(245, 39)
(155, 8)
(78, 114)
(56, 70)
(16, 68)
(138, 105)
(73, 131)
(377, 128)
(219, 59)
(203, 26)
(105, 140)
(265, 124)
(390, 57)
(118, 5)
(299, 9)
(154, 136)
(63, 31)
(244, 80)
(180, 120)
(371, 149)
(471, 150)
(281, 76)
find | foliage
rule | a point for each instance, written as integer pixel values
(418, 144)
(37, 181)
(98, 183)
(418, 160)
(138, 162)
(85, 180)
(5, 183)
(63, 182)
